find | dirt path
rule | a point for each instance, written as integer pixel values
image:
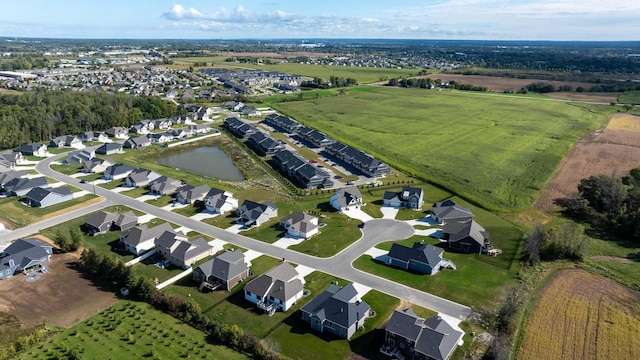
(613, 258)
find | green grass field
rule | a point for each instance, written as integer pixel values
(630, 97)
(130, 330)
(498, 151)
(15, 214)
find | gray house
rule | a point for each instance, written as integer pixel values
(409, 197)
(96, 165)
(338, 310)
(103, 221)
(21, 186)
(278, 288)
(188, 194)
(23, 254)
(117, 171)
(346, 198)
(141, 177)
(224, 271)
(139, 239)
(448, 211)
(252, 213)
(7, 176)
(408, 336)
(164, 185)
(181, 252)
(422, 258)
(39, 150)
(41, 197)
(467, 236)
(109, 148)
(139, 142)
(80, 156)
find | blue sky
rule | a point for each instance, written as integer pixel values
(264, 19)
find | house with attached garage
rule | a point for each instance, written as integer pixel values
(178, 250)
(164, 185)
(160, 138)
(223, 271)
(117, 172)
(99, 223)
(254, 214)
(362, 161)
(139, 142)
(94, 136)
(141, 177)
(39, 150)
(188, 194)
(279, 288)
(409, 197)
(125, 221)
(109, 148)
(23, 254)
(80, 156)
(140, 238)
(421, 258)
(162, 124)
(338, 310)
(448, 211)
(300, 225)
(96, 165)
(198, 129)
(117, 132)
(346, 198)
(21, 186)
(7, 176)
(66, 141)
(310, 177)
(219, 201)
(43, 197)
(239, 128)
(11, 158)
(468, 236)
(408, 336)
(263, 144)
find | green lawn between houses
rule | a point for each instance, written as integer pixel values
(496, 150)
(130, 330)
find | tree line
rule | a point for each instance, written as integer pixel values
(24, 63)
(332, 82)
(40, 116)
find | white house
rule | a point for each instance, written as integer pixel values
(300, 225)
(219, 201)
(278, 288)
(345, 198)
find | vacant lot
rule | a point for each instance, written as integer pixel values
(62, 296)
(131, 330)
(496, 150)
(578, 315)
(613, 151)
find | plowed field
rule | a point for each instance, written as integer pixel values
(582, 316)
(613, 151)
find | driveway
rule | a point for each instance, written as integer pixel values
(389, 212)
(357, 214)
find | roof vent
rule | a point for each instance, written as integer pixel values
(341, 310)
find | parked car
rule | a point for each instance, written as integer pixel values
(350, 182)
(337, 177)
(313, 161)
(83, 181)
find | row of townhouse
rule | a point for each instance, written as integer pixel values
(311, 135)
(300, 171)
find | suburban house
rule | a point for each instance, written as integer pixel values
(21, 186)
(300, 225)
(103, 221)
(421, 258)
(188, 194)
(250, 111)
(279, 288)
(178, 250)
(252, 213)
(96, 165)
(94, 136)
(408, 336)
(140, 238)
(66, 141)
(162, 124)
(43, 197)
(468, 236)
(109, 148)
(9, 175)
(117, 171)
(160, 138)
(198, 129)
(23, 254)
(182, 119)
(448, 211)
(345, 198)
(11, 158)
(179, 133)
(80, 156)
(409, 197)
(139, 142)
(117, 132)
(219, 201)
(364, 162)
(139, 129)
(224, 270)
(337, 310)
(164, 185)
(141, 177)
(39, 150)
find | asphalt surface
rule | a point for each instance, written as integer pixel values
(374, 231)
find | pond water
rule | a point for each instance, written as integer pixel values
(207, 161)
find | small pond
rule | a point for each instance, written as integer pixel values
(207, 161)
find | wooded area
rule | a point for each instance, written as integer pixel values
(40, 116)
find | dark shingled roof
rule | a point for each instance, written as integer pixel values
(423, 253)
(338, 305)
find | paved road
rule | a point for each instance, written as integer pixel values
(339, 265)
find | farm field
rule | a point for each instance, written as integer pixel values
(612, 151)
(578, 315)
(497, 151)
(130, 330)
(500, 84)
(630, 97)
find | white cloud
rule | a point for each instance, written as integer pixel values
(177, 12)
